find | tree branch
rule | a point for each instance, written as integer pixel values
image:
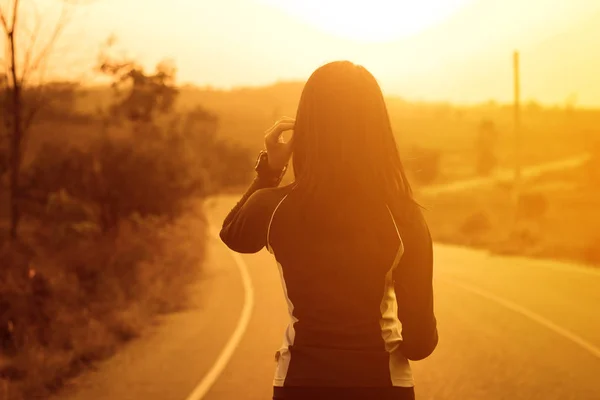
(4, 23)
(14, 16)
(43, 54)
(33, 36)
(13, 51)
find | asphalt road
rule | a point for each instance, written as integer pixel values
(510, 328)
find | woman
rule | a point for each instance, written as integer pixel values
(351, 244)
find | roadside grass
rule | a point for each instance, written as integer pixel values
(555, 216)
(113, 234)
(72, 307)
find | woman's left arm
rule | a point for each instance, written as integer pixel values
(245, 228)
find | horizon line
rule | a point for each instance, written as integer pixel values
(525, 103)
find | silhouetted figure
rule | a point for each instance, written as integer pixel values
(352, 246)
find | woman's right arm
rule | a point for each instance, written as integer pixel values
(414, 291)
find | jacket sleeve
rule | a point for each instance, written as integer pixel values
(245, 228)
(414, 291)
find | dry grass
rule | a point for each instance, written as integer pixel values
(64, 309)
(556, 217)
(108, 240)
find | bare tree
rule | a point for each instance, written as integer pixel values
(26, 56)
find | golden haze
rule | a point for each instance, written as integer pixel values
(105, 223)
(460, 54)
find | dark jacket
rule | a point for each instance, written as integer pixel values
(359, 288)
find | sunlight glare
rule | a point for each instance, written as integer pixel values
(372, 20)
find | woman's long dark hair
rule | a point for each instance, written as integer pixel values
(344, 147)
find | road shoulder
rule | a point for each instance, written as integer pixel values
(173, 355)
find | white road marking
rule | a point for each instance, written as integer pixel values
(213, 374)
(565, 333)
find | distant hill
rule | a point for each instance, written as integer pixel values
(421, 128)
(245, 113)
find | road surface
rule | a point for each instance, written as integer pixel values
(510, 328)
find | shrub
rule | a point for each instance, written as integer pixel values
(524, 238)
(153, 175)
(531, 206)
(61, 310)
(476, 225)
(116, 236)
(486, 148)
(486, 162)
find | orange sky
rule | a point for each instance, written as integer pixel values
(462, 54)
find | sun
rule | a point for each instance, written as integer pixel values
(371, 20)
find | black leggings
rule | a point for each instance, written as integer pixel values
(346, 393)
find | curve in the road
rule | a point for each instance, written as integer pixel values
(226, 354)
(213, 374)
(589, 347)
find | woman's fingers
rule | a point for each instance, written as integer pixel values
(281, 126)
(281, 121)
(284, 126)
(279, 151)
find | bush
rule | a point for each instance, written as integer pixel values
(118, 178)
(531, 206)
(476, 225)
(115, 236)
(486, 162)
(61, 310)
(486, 148)
(114, 231)
(227, 164)
(151, 172)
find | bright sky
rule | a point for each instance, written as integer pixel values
(457, 50)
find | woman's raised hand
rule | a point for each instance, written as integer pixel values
(279, 151)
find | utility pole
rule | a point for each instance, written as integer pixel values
(517, 120)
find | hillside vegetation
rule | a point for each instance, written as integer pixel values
(112, 229)
(449, 131)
